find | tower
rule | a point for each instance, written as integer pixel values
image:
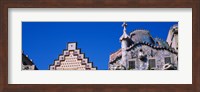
(172, 38)
(124, 43)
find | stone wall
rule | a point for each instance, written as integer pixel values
(150, 53)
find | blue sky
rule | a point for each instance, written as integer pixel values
(43, 42)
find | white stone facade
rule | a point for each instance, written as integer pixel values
(72, 59)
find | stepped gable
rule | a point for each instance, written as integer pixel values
(72, 59)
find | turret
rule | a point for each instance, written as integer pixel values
(124, 44)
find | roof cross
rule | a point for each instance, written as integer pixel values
(124, 35)
(124, 25)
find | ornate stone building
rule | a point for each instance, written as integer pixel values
(72, 59)
(27, 63)
(172, 38)
(140, 51)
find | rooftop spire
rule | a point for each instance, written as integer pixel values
(124, 25)
(124, 35)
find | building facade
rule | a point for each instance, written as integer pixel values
(140, 51)
(27, 64)
(172, 38)
(72, 59)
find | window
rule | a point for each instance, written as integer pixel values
(58, 63)
(61, 58)
(152, 63)
(75, 53)
(67, 53)
(88, 66)
(131, 64)
(152, 53)
(167, 60)
(79, 57)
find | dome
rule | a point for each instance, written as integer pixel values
(141, 36)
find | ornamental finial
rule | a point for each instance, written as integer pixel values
(124, 25)
(124, 35)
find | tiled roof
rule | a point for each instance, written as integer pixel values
(27, 61)
(161, 43)
(142, 36)
(115, 55)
